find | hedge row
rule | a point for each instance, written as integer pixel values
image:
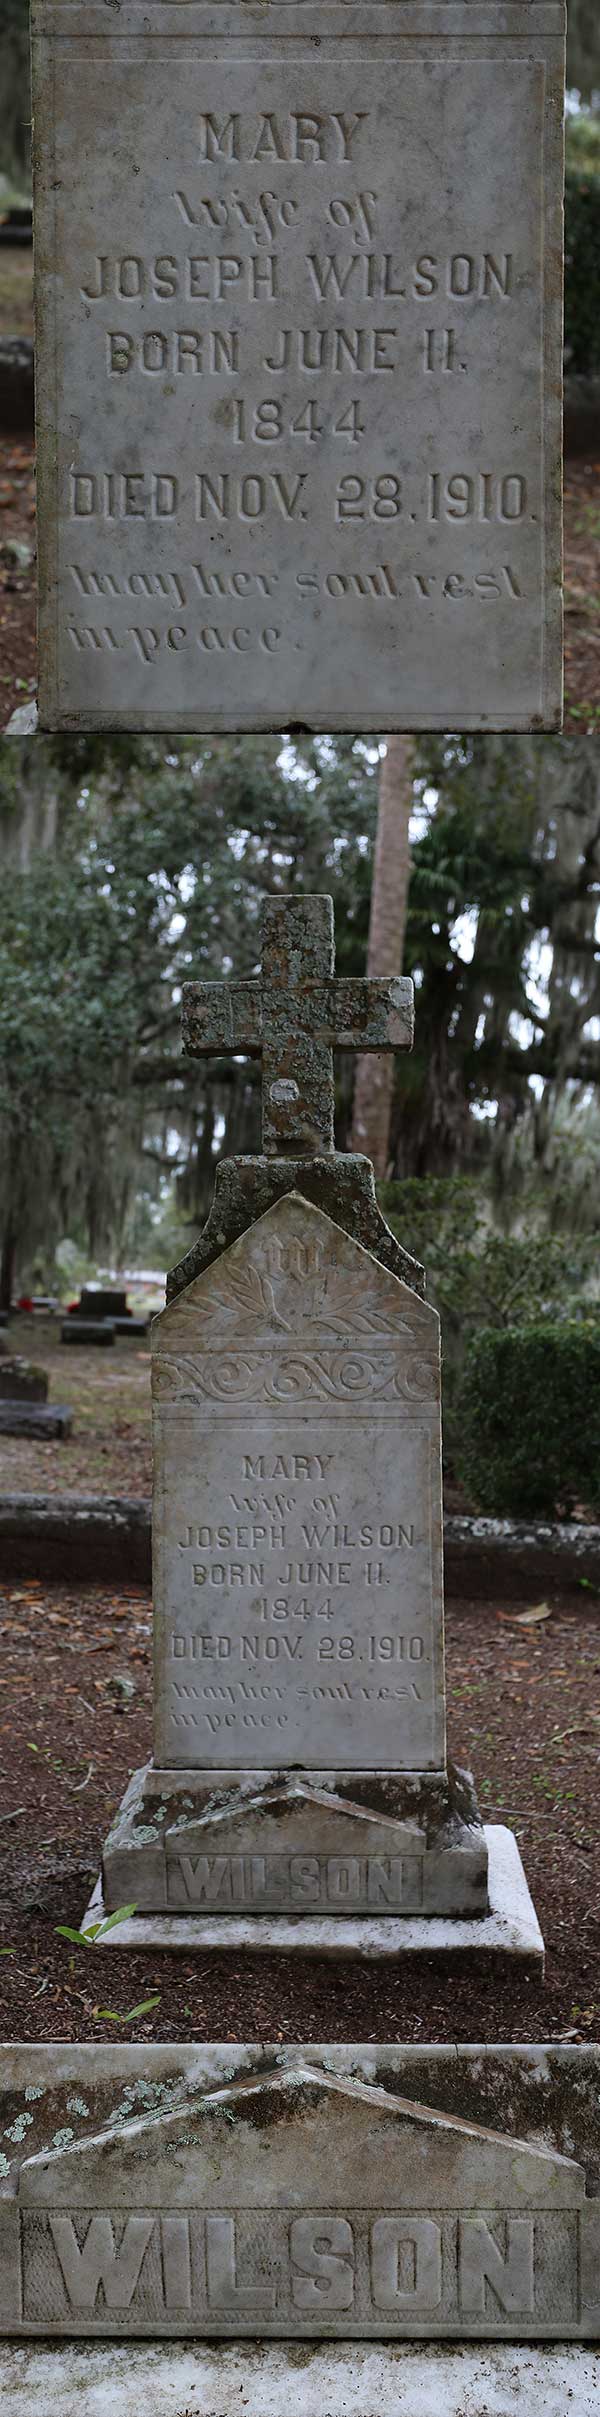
(528, 1417)
(582, 287)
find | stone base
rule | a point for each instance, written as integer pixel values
(186, 2192)
(510, 1929)
(332, 1843)
(349, 2379)
(43, 1419)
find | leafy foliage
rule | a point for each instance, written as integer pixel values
(583, 48)
(129, 865)
(15, 128)
(529, 1419)
(482, 1279)
(582, 282)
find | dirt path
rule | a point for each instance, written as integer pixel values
(524, 1706)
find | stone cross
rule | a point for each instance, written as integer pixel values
(294, 1017)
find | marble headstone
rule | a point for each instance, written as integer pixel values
(279, 2193)
(299, 361)
(299, 1709)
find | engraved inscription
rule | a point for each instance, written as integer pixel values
(306, 328)
(393, 2273)
(298, 1557)
(337, 1883)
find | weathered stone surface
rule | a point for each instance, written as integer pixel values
(21, 1381)
(308, 332)
(340, 1183)
(293, 1018)
(297, 1515)
(107, 2379)
(338, 1844)
(367, 2193)
(508, 1933)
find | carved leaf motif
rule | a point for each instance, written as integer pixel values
(331, 1300)
(247, 1291)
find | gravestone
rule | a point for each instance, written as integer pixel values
(24, 1405)
(96, 1302)
(305, 2194)
(108, 1309)
(21, 1380)
(299, 1721)
(308, 333)
(87, 1330)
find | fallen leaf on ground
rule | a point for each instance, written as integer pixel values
(529, 1619)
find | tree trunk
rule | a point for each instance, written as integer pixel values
(374, 1084)
(8, 1256)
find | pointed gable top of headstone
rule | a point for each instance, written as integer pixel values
(302, 2136)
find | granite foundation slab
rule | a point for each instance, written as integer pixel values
(278, 1842)
(355, 2379)
(509, 1930)
(291, 2194)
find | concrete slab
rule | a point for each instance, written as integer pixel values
(511, 1929)
(108, 2379)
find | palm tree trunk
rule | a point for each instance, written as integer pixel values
(374, 1083)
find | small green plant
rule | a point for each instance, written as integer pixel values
(96, 1930)
(104, 2014)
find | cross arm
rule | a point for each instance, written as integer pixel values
(222, 1018)
(365, 1015)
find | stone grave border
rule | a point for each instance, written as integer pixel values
(51, 1536)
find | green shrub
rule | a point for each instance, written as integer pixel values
(582, 284)
(528, 1419)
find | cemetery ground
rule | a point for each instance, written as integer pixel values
(75, 1720)
(18, 591)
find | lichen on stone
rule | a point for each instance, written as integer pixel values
(16, 2131)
